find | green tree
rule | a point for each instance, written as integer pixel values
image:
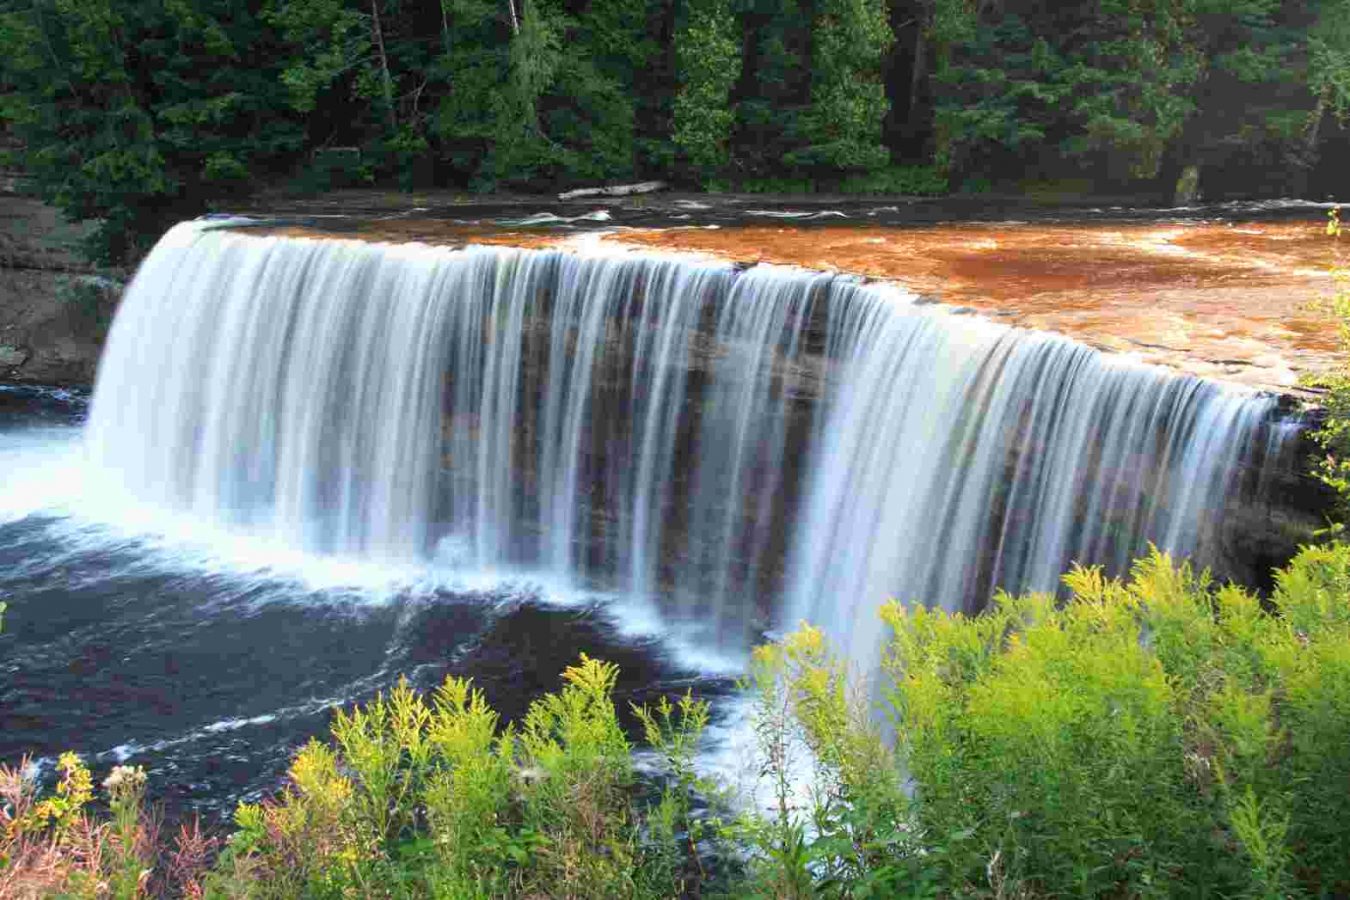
(1136, 90)
(709, 59)
(774, 85)
(848, 99)
(520, 146)
(330, 40)
(137, 114)
(1111, 76)
(1328, 67)
(1266, 84)
(472, 69)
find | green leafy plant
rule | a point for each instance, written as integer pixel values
(1149, 736)
(909, 180)
(433, 794)
(1332, 468)
(89, 300)
(778, 186)
(708, 58)
(1155, 735)
(849, 42)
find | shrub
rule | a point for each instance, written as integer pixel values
(1151, 736)
(855, 838)
(778, 186)
(432, 797)
(907, 180)
(1333, 436)
(89, 299)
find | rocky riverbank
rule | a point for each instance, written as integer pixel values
(54, 308)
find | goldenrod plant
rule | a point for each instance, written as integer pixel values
(432, 797)
(1153, 736)
(848, 831)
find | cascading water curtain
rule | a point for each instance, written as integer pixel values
(745, 448)
(958, 456)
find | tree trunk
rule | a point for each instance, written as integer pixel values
(515, 19)
(1304, 158)
(1314, 129)
(920, 69)
(445, 27)
(384, 63)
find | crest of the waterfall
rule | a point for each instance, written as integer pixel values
(739, 448)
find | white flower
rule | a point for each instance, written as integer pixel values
(123, 780)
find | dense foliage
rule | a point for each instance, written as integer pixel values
(1158, 736)
(138, 113)
(1332, 467)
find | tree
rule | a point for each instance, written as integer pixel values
(472, 72)
(1260, 96)
(773, 88)
(1328, 68)
(709, 60)
(848, 99)
(1140, 89)
(1109, 76)
(520, 147)
(137, 114)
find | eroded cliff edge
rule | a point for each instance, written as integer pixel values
(54, 307)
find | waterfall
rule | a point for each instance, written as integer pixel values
(962, 456)
(742, 448)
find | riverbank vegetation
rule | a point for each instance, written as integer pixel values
(1153, 736)
(135, 114)
(1332, 467)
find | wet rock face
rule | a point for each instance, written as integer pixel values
(52, 317)
(1274, 509)
(12, 357)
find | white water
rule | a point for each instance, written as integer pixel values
(736, 450)
(959, 456)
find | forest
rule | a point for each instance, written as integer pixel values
(137, 114)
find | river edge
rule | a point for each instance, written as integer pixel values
(1215, 320)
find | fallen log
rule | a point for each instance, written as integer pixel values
(618, 190)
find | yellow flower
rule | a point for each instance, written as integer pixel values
(75, 789)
